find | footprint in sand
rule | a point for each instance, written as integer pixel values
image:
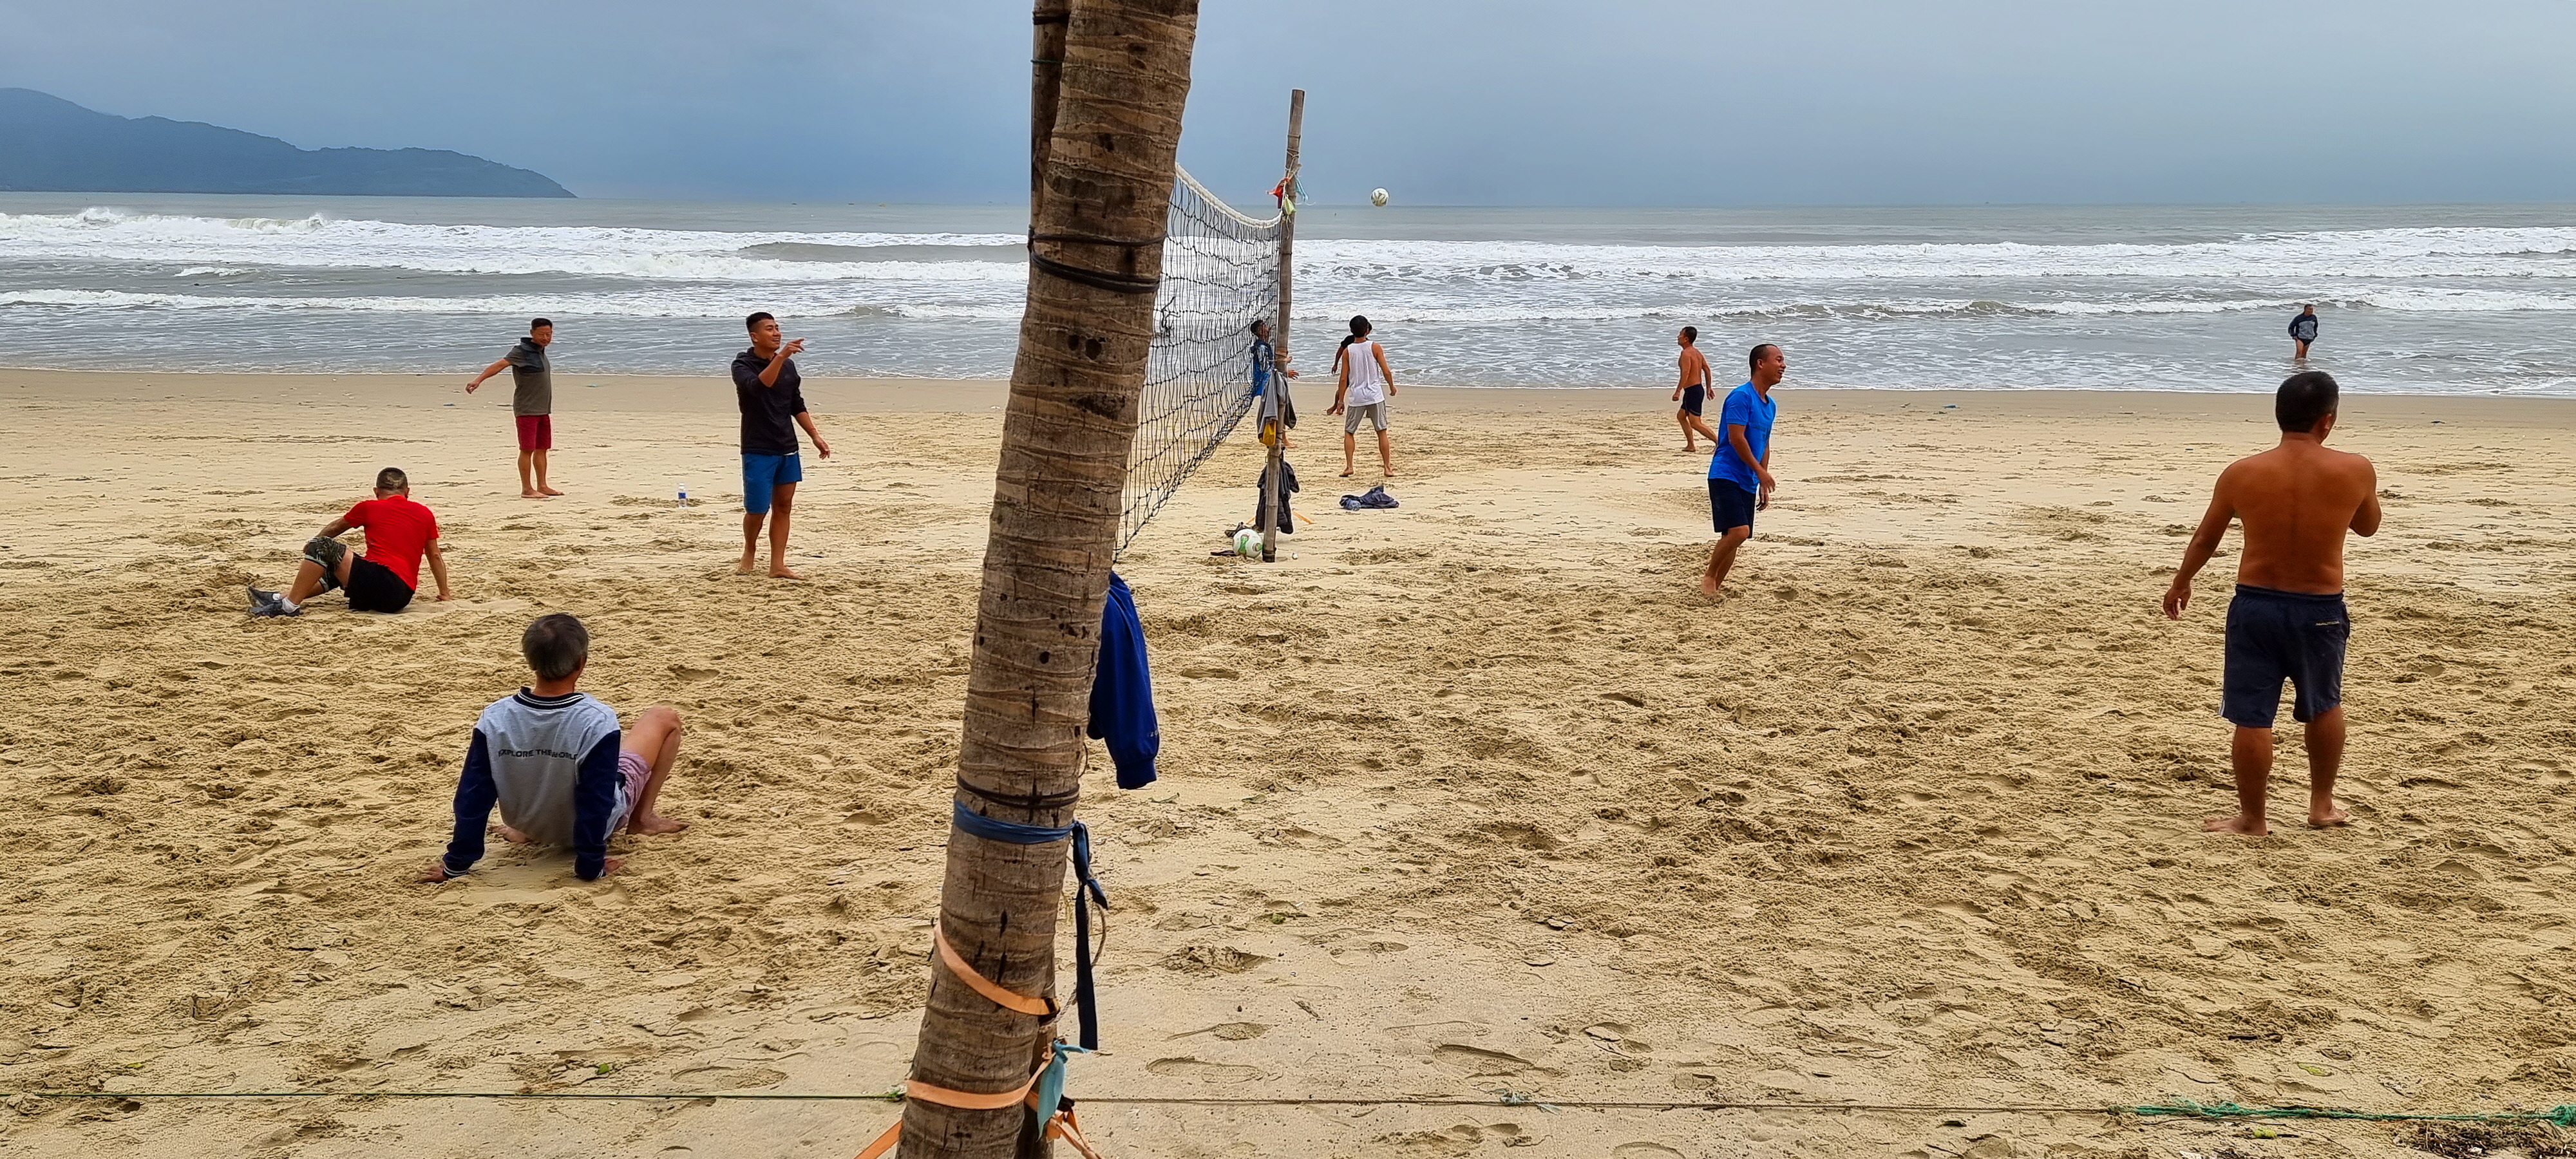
(1229, 1031)
(1481, 1063)
(1643, 1151)
(1187, 1067)
(725, 1078)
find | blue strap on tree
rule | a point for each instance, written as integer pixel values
(1012, 832)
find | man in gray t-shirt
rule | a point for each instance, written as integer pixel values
(533, 404)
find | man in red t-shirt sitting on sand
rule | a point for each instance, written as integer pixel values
(399, 534)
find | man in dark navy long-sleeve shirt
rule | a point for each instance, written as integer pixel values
(2303, 330)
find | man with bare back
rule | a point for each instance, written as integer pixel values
(1692, 394)
(2288, 620)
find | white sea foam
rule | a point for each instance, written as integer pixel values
(2383, 253)
(2404, 304)
(813, 301)
(318, 242)
(706, 255)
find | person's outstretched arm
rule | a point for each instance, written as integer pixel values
(1383, 368)
(475, 796)
(1341, 362)
(488, 372)
(806, 421)
(786, 350)
(2204, 544)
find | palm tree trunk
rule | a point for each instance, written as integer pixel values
(1104, 185)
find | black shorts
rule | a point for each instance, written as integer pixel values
(373, 587)
(2274, 635)
(1729, 506)
(1693, 398)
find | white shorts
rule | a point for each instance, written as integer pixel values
(1374, 412)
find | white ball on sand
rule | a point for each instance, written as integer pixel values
(1377, 197)
(1247, 543)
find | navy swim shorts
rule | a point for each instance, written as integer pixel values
(2273, 636)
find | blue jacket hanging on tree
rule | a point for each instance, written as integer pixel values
(1122, 691)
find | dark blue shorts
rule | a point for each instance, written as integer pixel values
(762, 474)
(2273, 636)
(1729, 505)
(1694, 398)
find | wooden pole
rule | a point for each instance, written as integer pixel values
(1274, 478)
(1103, 190)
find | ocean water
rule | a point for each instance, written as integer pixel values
(2419, 299)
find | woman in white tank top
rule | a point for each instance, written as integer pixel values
(1367, 384)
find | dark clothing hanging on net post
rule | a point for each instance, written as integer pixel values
(1286, 523)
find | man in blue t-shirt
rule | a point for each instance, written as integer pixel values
(1739, 474)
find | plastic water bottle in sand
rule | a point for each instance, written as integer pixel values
(684, 496)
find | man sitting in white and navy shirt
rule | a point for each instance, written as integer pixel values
(558, 766)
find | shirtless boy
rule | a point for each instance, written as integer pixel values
(555, 763)
(1693, 392)
(2287, 621)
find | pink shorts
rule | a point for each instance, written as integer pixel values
(637, 772)
(536, 432)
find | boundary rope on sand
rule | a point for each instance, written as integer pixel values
(2561, 1116)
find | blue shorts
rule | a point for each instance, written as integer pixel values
(761, 473)
(1729, 506)
(2272, 636)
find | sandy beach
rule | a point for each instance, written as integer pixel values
(1474, 796)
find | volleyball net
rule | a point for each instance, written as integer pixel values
(1220, 275)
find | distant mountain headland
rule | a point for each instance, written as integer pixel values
(48, 144)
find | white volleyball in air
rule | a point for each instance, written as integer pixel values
(1377, 197)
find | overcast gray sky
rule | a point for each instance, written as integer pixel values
(1651, 102)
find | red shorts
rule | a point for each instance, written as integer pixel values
(536, 432)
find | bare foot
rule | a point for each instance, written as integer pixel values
(654, 825)
(508, 834)
(2236, 824)
(1346, 473)
(744, 568)
(2334, 816)
(785, 573)
(1390, 472)
(548, 491)
(525, 493)
(1708, 585)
